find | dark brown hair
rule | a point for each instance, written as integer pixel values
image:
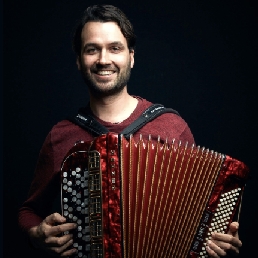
(104, 13)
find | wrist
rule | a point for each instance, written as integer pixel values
(32, 236)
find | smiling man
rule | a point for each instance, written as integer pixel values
(104, 44)
(105, 62)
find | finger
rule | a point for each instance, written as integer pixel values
(62, 250)
(68, 253)
(214, 250)
(59, 229)
(226, 238)
(227, 247)
(54, 219)
(58, 241)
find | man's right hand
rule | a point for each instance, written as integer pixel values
(48, 236)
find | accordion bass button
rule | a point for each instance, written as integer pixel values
(78, 195)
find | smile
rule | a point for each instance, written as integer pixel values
(103, 73)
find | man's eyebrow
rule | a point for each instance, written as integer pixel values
(117, 43)
(91, 44)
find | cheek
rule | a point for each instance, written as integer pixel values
(86, 63)
(123, 61)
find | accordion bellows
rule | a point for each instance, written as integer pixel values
(142, 199)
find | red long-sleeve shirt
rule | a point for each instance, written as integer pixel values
(46, 183)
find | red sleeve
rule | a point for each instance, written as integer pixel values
(42, 190)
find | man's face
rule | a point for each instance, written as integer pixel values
(105, 60)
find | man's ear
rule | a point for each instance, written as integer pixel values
(132, 57)
(78, 62)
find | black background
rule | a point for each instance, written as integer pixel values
(198, 57)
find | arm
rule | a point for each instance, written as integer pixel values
(222, 244)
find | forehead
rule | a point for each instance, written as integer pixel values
(102, 33)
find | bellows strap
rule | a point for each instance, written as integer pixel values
(90, 124)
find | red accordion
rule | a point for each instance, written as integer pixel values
(136, 199)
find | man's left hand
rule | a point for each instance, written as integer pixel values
(221, 245)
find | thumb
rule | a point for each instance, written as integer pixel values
(233, 228)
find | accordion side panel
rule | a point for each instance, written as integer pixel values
(100, 145)
(113, 236)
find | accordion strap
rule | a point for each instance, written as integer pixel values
(148, 115)
(90, 124)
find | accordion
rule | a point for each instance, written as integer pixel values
(145, 198)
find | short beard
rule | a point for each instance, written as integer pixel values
(118, 85)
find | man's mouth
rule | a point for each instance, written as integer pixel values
(104, 73)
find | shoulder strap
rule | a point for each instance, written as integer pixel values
(90, 124)
(148, 115)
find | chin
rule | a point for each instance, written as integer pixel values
(106, 91)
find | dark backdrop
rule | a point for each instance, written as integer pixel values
(198, 57)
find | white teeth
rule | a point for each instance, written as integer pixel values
(105, 72)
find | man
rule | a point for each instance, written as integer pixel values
(104, 44)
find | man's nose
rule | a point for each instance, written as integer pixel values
(104, 57)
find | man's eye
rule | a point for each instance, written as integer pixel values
(91, 50)
(115, 49)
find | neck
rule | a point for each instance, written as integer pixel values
(114, 109)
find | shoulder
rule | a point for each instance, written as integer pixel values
(68, 133)
(62, 126)
(170, 121)
(169, 126)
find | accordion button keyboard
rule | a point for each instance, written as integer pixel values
(75, 184)
(221, 217)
